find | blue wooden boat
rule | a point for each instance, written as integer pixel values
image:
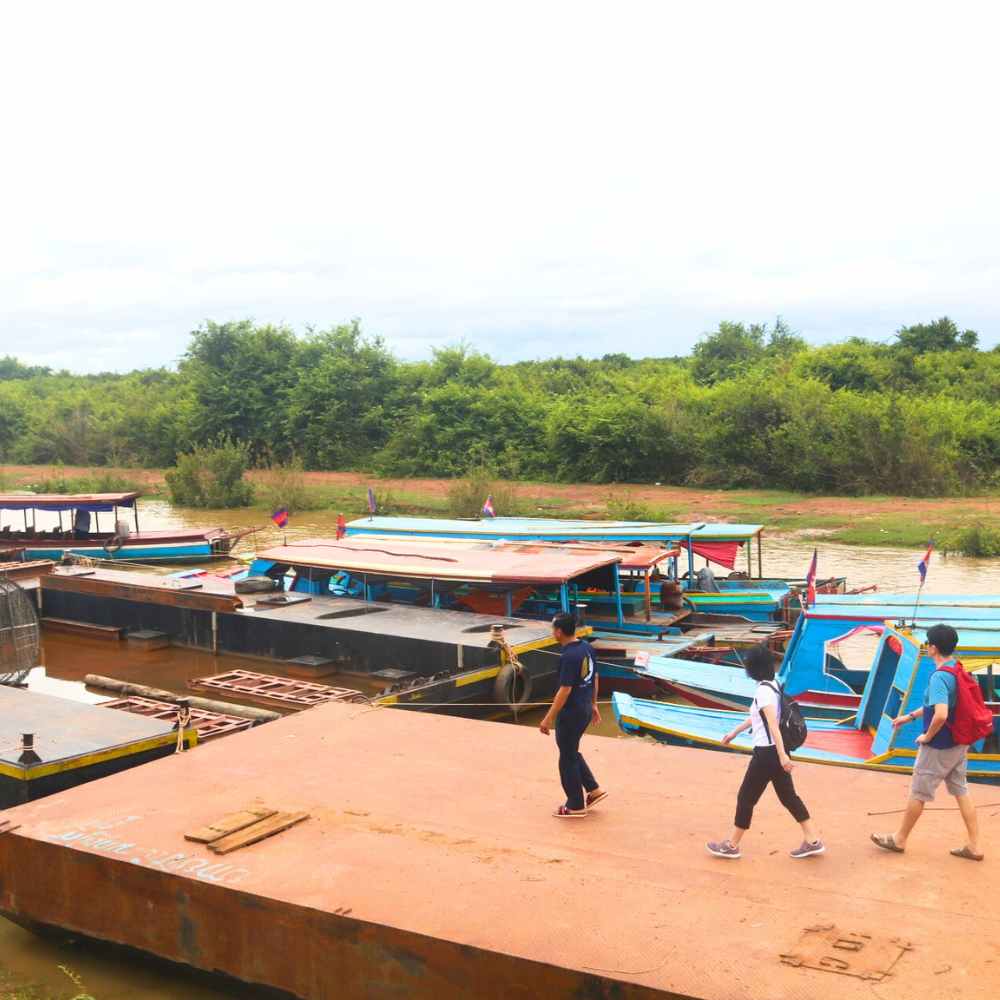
(895, 685)
(756, 599)
(813, 670)
(116, 538)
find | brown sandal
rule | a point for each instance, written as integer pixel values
(967, 853)
(594, 797)
(886, 842)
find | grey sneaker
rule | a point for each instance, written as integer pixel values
(807, 850)
(723, 849)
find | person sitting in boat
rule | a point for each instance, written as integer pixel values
(769, 765)
(81, 524)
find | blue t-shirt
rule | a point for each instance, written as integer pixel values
(577, 670)
(942, 689)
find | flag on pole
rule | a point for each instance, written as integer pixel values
(280, 517)
(488, 510)
(811, 580)
(924, 563)
(371, 502)
(341, 527)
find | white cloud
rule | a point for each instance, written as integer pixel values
(538, 178)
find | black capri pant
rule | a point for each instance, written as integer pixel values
(765, 770)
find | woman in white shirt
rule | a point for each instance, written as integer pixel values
(769, 765)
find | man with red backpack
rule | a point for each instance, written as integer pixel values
(954, 717)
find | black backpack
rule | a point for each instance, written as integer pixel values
(790, 720)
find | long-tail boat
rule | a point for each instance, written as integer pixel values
(896, 684)
(813, 670)
(747, 594)
(116, 536)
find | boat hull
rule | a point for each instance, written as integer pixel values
(138, 552)
(704, 730)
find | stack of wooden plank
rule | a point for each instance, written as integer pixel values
(240, 829)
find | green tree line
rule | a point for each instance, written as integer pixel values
(753, 405)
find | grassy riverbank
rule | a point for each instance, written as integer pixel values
(870, 520)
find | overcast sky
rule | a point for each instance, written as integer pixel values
(535, 178)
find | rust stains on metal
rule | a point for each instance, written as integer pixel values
(214, 595)
(431, 868)
(825, 948)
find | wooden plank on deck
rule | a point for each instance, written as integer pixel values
(232, 823)
(252, 834)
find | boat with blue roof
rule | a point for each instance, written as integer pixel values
(55, 525)
(748, 595)
(867, 739)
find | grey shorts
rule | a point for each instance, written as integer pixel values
(934, 766)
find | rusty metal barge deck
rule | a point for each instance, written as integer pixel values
(442, 656)
(452, 883)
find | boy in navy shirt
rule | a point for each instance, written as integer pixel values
(573, 709)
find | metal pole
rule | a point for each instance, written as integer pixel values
(760, 554)
(750, 558)
(135, 511)
(564, 597)
(618, 596)
(649, 596)
(432, 593)
(510, 604)
(215, 633)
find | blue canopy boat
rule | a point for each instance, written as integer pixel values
(115, 540)
(756, 599)
(896, 684)
(813, 671)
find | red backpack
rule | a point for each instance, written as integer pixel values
(972, 720)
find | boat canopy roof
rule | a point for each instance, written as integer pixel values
(632, 557)
(958, 612)
(908, 601)
(555, 529)
(94, 502)
(982, 641)
(504, 563)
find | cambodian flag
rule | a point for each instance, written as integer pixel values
(341, 527)
(924, 563)
(811, 580)
(488, 510)
(371, 502)
(280, 517)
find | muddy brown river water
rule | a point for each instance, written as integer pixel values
(114, 976)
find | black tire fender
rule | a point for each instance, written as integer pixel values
(512, 685)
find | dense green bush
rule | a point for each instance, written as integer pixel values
(752, 406)
(466, 496)
(981, 541)
(212, 476)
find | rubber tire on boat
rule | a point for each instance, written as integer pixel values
(113, 545)
(510, 682)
